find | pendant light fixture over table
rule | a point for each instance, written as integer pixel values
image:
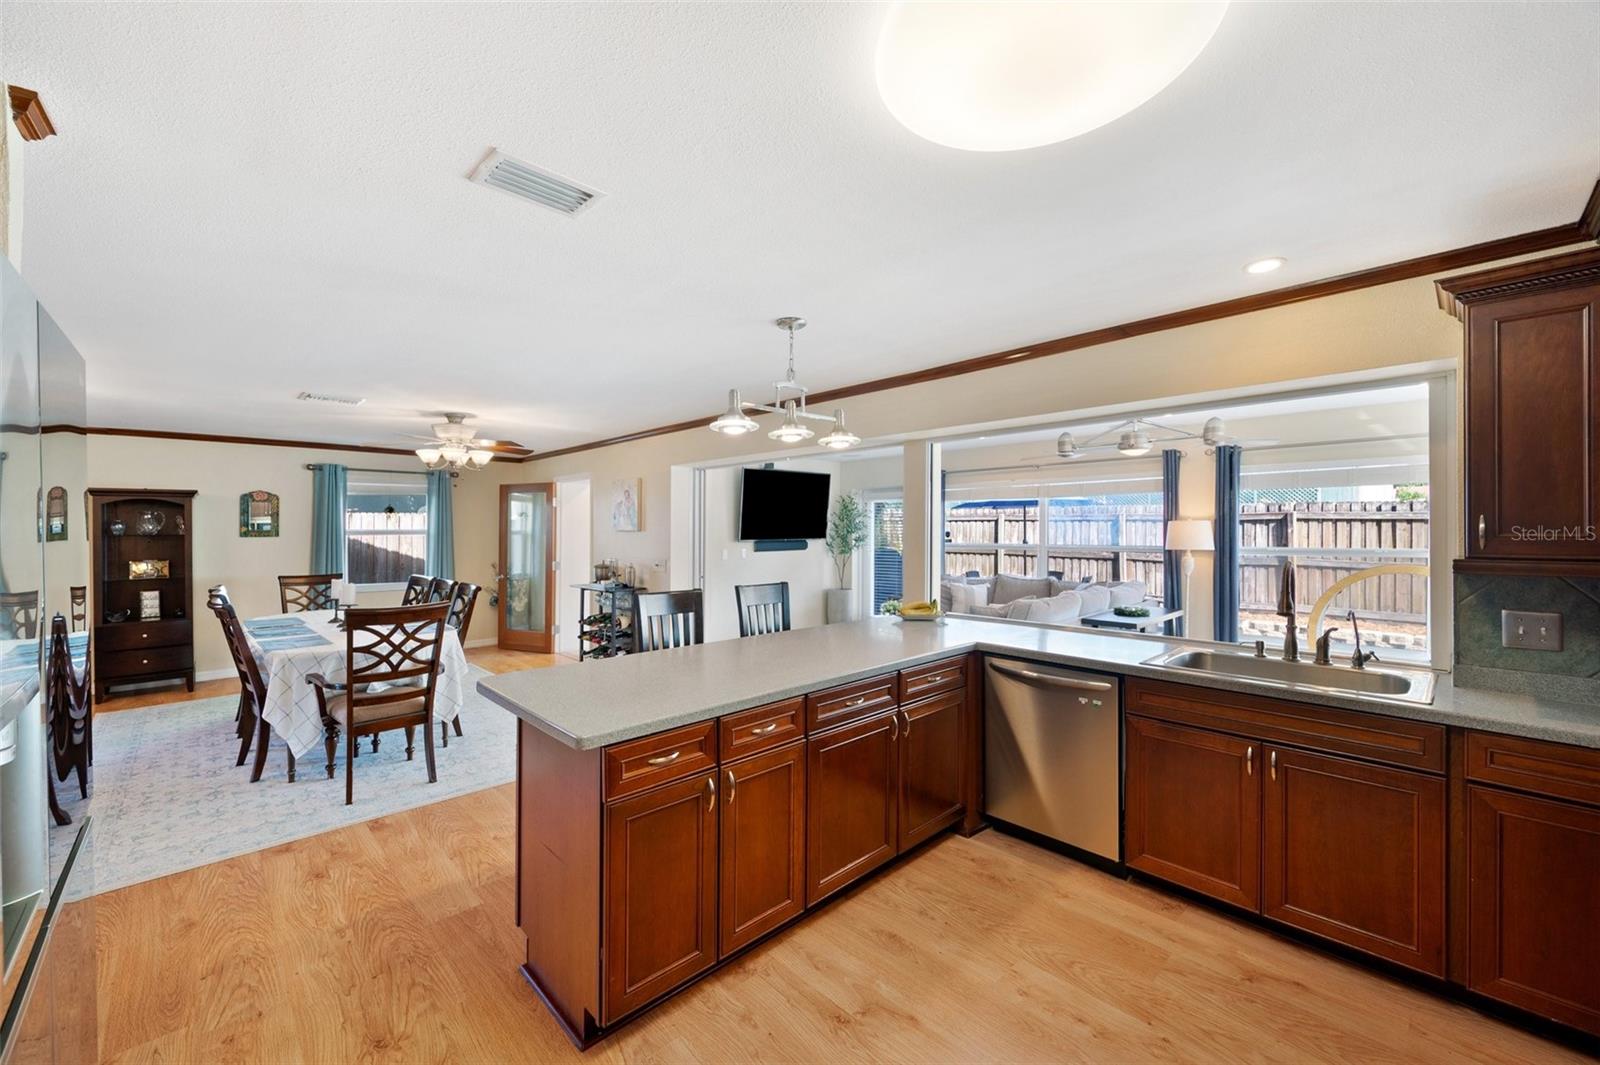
(789, 400)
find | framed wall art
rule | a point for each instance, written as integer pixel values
(258, 514)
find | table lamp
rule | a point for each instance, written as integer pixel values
(1188, 535)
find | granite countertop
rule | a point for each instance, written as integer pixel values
(615, 699)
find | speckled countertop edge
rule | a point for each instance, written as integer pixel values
(606, 702)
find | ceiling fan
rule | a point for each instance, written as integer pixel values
(454, 445)
(1140, 436)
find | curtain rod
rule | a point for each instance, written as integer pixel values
(371, 469)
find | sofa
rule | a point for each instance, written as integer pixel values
(1045, 600)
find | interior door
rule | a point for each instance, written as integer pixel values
(527, 567)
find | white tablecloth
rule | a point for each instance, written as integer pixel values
(287, 653)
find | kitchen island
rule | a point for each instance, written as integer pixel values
(675, 808)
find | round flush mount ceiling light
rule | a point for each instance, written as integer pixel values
(1265, 266)
(989, 77)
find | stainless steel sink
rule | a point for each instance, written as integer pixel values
(1387, 682)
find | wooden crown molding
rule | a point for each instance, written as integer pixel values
(259, 441)
(1557, 271)
(1586, 228)
(28, 112)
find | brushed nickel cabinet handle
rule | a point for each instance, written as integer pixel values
(1272, 765)
(663, 759)
(894, 719)
(1249, 761)
(1483, 529)
(711, 793)
(730, 787)
(857, 701)
(936, 678)
(762, 730)
(905, 733)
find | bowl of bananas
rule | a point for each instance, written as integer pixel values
(926, 610)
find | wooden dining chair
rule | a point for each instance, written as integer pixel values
(463, 599)
(79, 594)
(439, 590)
(309, 591)
(763, 608)
(416, 589)
(19, 615)
(391, 668)
(252, 691)
(669, 619)
(67, 713)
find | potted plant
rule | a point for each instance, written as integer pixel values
(847, 531)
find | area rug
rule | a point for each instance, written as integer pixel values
(165, 795)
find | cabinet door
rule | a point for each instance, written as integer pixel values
(1534, 940)
(1192, 804)
(1355, 853)
(763, 844)
(930, 767)
(660, 891)
(1533, 415)
(852, 802)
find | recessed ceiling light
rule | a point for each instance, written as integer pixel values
(1264, 266)
(1002, 77)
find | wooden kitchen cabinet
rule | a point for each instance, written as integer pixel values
(763, 845)
(660, 891)
(1532, 430)
(930, 767)
(852, 802)
(1192, 809)
(1355, 853)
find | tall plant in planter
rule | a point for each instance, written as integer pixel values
(847, 532)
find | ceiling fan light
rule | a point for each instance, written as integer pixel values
(431, 457)
(1066, 447)
(478, 458)
(1133, 444)
(734, 421)
(839, 437)
(791, 431)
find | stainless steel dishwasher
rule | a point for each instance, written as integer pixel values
(1052, 754)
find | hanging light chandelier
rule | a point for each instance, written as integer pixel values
(455, 446)
(789, 400)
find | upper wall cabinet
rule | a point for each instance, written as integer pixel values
(1532, 408)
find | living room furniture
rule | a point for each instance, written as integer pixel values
(79, 594)
(391, 669)
(142, 540)
(670, 619)
(763, 608)
(439, 590)
(252, 689)
(19, 615)
(463, 600)
(67, 706)
(1159, 616)
(1042, 600)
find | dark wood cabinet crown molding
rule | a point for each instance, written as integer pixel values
(28, 112)
(1518, 279)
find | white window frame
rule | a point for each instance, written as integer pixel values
(864, 574)
(356, 479)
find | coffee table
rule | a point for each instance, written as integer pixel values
(1159, 616)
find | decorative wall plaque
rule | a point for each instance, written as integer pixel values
(258, 514)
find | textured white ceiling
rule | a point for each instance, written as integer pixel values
(245, 201)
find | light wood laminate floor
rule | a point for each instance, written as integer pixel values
(393, 941)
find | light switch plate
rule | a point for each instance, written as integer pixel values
(1530, 630)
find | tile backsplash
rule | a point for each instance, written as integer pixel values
(1479, 599)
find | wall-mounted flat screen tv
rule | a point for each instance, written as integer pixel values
(783, 505)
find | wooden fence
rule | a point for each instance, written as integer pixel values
(1380, 528)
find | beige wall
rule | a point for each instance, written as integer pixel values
(250, 566)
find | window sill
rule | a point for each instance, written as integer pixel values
(399, 586)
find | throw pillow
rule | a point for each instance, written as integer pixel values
(963, 597)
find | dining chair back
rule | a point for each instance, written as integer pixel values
(216, 596)
(416, 589)
(763, 608)
(308, 591)
(80, 606)
(67, 709)
(252, 689)
(669, 619)
(19, 615)
(392, 666)
(439, 590)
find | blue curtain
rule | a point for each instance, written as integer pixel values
(1226, 575)
(328, 550)
(441, 526)
(1172, 576)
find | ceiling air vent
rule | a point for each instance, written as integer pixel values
(528, 182)
(327, 397)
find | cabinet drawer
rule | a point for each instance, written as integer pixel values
(138, 635)
(762, 728)
(1412, 744)
(851, 702)
(932, 678)
(1553, 769)
(633, 766)
(113, 664)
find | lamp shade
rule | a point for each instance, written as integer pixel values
(1189, 534)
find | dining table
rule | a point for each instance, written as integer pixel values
(290, 647)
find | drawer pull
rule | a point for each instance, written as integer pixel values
(1483, 528)
(894, 719)
(664, 759)
(857, 701)
(144, 661)
(905, 733)
(935, 679)
(144, 636)
(762, 730)
(1249, 761)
